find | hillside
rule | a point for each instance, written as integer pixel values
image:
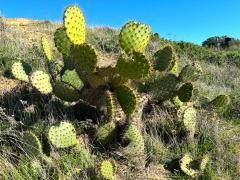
(162, 134)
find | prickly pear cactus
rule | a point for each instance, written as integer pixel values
(134, 37)
(189, 120)
(62, 42)
(164, 59)
(134, 66)
(31, 144)
(41, 81)
(63, 135)
(127, 99)
(74, 23)
(71, 77)
(185, 166)
(65, 92)
(20, 71)
(190, 73)
(46, 48)
(204, 162)
(107, 170)
(85, 58)
(220, 102)
(185, 93)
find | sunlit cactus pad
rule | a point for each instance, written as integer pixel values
(85, 57)
(71, 77)
(74, 23)
(107, 170)
(127, 99)
(62, 42)
(220, 101)
(189, 120)
(185, 166)
(134, 66)
(47, 48)
(41, 81)
(63, 135)
(20, 71)
(134, 37)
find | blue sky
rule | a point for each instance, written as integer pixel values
(188, 20)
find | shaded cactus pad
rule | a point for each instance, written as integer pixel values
(185, 93)
(134, 37)
(31, 144)
(46, 48)
(63, 136)
(74, 23)
(190, 72)
(134, 66)
(71, 77)
(41, 81)
(20, 71)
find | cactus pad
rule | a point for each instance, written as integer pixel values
(41, 81)
(74, 23)
(185, 93)
(163, 87)
(20, 71)
(185, 166)
(46, 48)
(220, 102)
(174, 69)
(85, 58)
(62, 42)
(134, 66)
(127, 99)
(66, 92)
(204, 163)
(107, 170)
(190, 73)
(164, 58)
(63, 136)
(134, 37)
(71, 77)
(95, 80)
(31, 144)
(189, 120)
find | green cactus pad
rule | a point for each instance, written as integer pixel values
(134, 37)
(204, 163)
(177, 102)
(63, 136)
(46, 48)
(71, 77)
(220, 102)
(185, 93)
(62, 42)
(106, 134)
(136, 142)
(31, 144)
(21, 70)
(41, 81)
(107, 170)
(190, 73)
(189, 120)
(134, 66)
(95, 80)
(163, 87)
(164, 58)
(85, 58)
(65, 92)
(127, 99)
(74, 23)
(185, 166)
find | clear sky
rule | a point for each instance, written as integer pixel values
(188, 20)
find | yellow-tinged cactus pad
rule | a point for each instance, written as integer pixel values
(31, 144)
(189, 120)
(107, 170)
(204, 162)
(20, 71)
(63, 136)
(41, 81)
(74, 23)
(47, 48)
(134, 36)
(133, 66)
(185, 166)
(127, 99)
(62, 42)
(85, 58)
